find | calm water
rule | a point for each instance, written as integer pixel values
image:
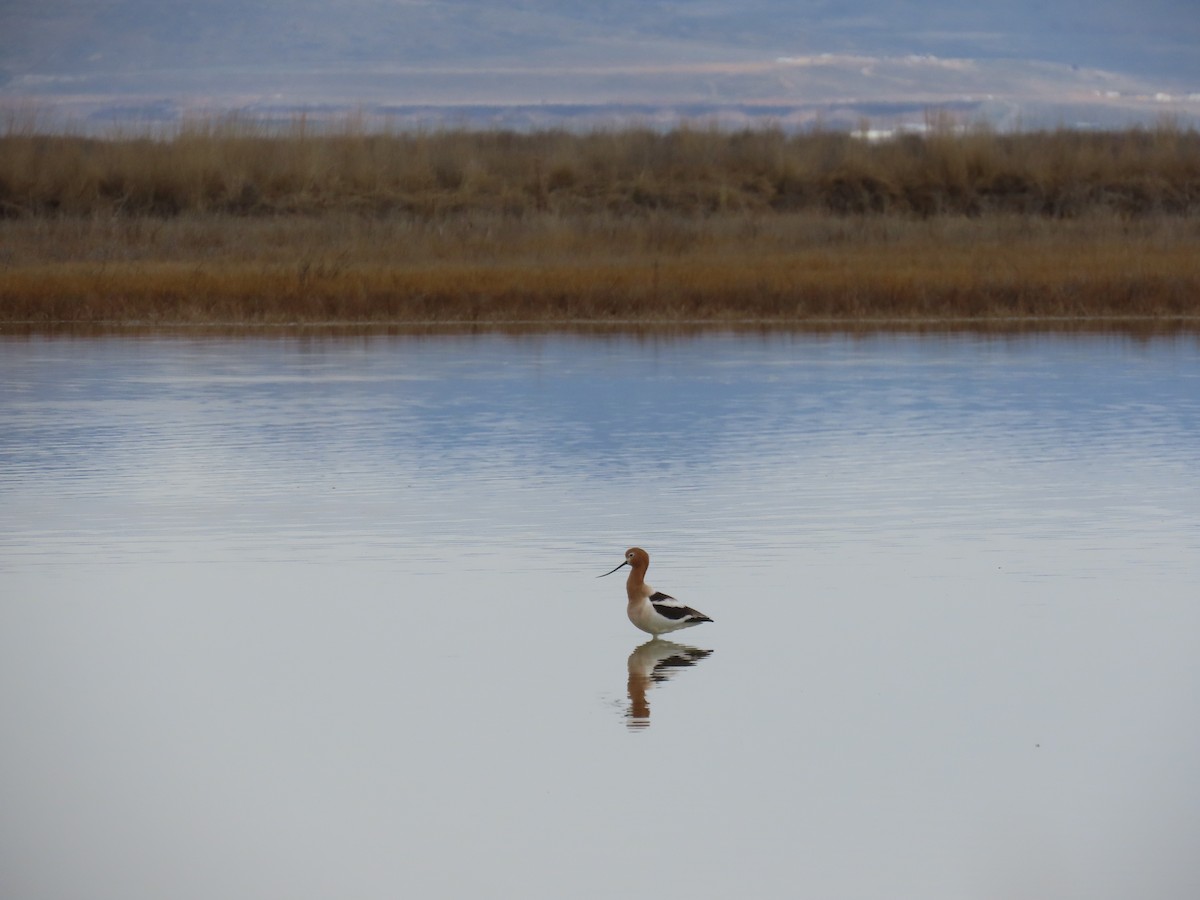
(316, 618)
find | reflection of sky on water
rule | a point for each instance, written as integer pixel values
(306, 618)
(709, 438)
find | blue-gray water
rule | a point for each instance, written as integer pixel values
(313, 618)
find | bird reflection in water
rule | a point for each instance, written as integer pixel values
(652, 663)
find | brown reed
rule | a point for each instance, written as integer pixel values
(240, 167)
(232, 221)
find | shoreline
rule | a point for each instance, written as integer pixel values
(1129, 326)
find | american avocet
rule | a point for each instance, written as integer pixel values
(650, 610)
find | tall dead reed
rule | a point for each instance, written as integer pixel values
(233, 221)
(245, 168)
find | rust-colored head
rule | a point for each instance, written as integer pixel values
(636, 558)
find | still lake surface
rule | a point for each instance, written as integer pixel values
(316, 617)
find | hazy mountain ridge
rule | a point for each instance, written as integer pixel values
(1093, 63)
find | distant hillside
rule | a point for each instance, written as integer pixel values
(1101, 63)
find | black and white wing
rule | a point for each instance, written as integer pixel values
(670, 608)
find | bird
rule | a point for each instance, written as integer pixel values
(653, 611)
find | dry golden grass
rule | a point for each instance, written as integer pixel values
(544, 268)
(229, 222)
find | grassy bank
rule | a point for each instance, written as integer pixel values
(230, 223)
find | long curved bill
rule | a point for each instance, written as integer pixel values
(609, 573)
